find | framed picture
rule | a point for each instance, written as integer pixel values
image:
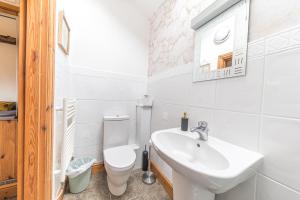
(63, 33)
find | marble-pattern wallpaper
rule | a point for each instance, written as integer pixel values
(171, 37)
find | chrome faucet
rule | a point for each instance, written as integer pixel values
(202, 130)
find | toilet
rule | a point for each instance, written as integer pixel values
(119, 156)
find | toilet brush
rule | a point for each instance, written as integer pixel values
(149, 177)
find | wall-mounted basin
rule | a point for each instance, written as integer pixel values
(202, 169)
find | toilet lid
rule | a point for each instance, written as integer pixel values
(120, 157)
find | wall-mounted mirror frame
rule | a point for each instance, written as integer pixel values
(229, 64)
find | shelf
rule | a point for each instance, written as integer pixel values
(15, 119)
(9, 8)
(8, 191)
(8, 39)
(8, 185)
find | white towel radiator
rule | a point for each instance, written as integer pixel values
(69, 111)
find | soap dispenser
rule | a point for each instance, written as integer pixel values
(184, 122)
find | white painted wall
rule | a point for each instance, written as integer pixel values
(259, 112)
(8, 61)
(106, 70)
(110, 36)
(147, 7)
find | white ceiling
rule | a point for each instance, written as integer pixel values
(148, 6)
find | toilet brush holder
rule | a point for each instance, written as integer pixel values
(149, 177)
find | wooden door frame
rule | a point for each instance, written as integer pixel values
(35, 100)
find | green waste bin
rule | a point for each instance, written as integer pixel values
(79, 174)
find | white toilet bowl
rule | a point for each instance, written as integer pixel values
(119, 162)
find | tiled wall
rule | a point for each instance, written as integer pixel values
(260, 111)
(98, 94)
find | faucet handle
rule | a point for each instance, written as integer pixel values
(202, 124)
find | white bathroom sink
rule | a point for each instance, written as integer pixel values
(202, 169)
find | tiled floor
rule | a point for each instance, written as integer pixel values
(136, 190)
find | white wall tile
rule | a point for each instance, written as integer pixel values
(88, 134)
(267, 189)
(256, 48)
(92, 151)
(99, 94)
(242, 94)
(178, 89)
(243, 191)
(283, 41)
(201, 93)
(132, 131)
(92, 111)
(106, 88)
(197, 114)
(166, 115)
(279, 144)
(89, 111)
(160, 121)
(282, 84)
(182, 90)
(238, 128)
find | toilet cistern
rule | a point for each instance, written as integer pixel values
(202, 130)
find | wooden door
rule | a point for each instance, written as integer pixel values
(38, 94)
(35, 98)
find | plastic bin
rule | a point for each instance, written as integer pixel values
(79, 174)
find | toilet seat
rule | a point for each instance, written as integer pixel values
(120, 158)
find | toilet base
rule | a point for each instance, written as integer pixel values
(116, 190)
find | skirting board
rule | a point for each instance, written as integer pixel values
(163, 179)
(97, 167)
